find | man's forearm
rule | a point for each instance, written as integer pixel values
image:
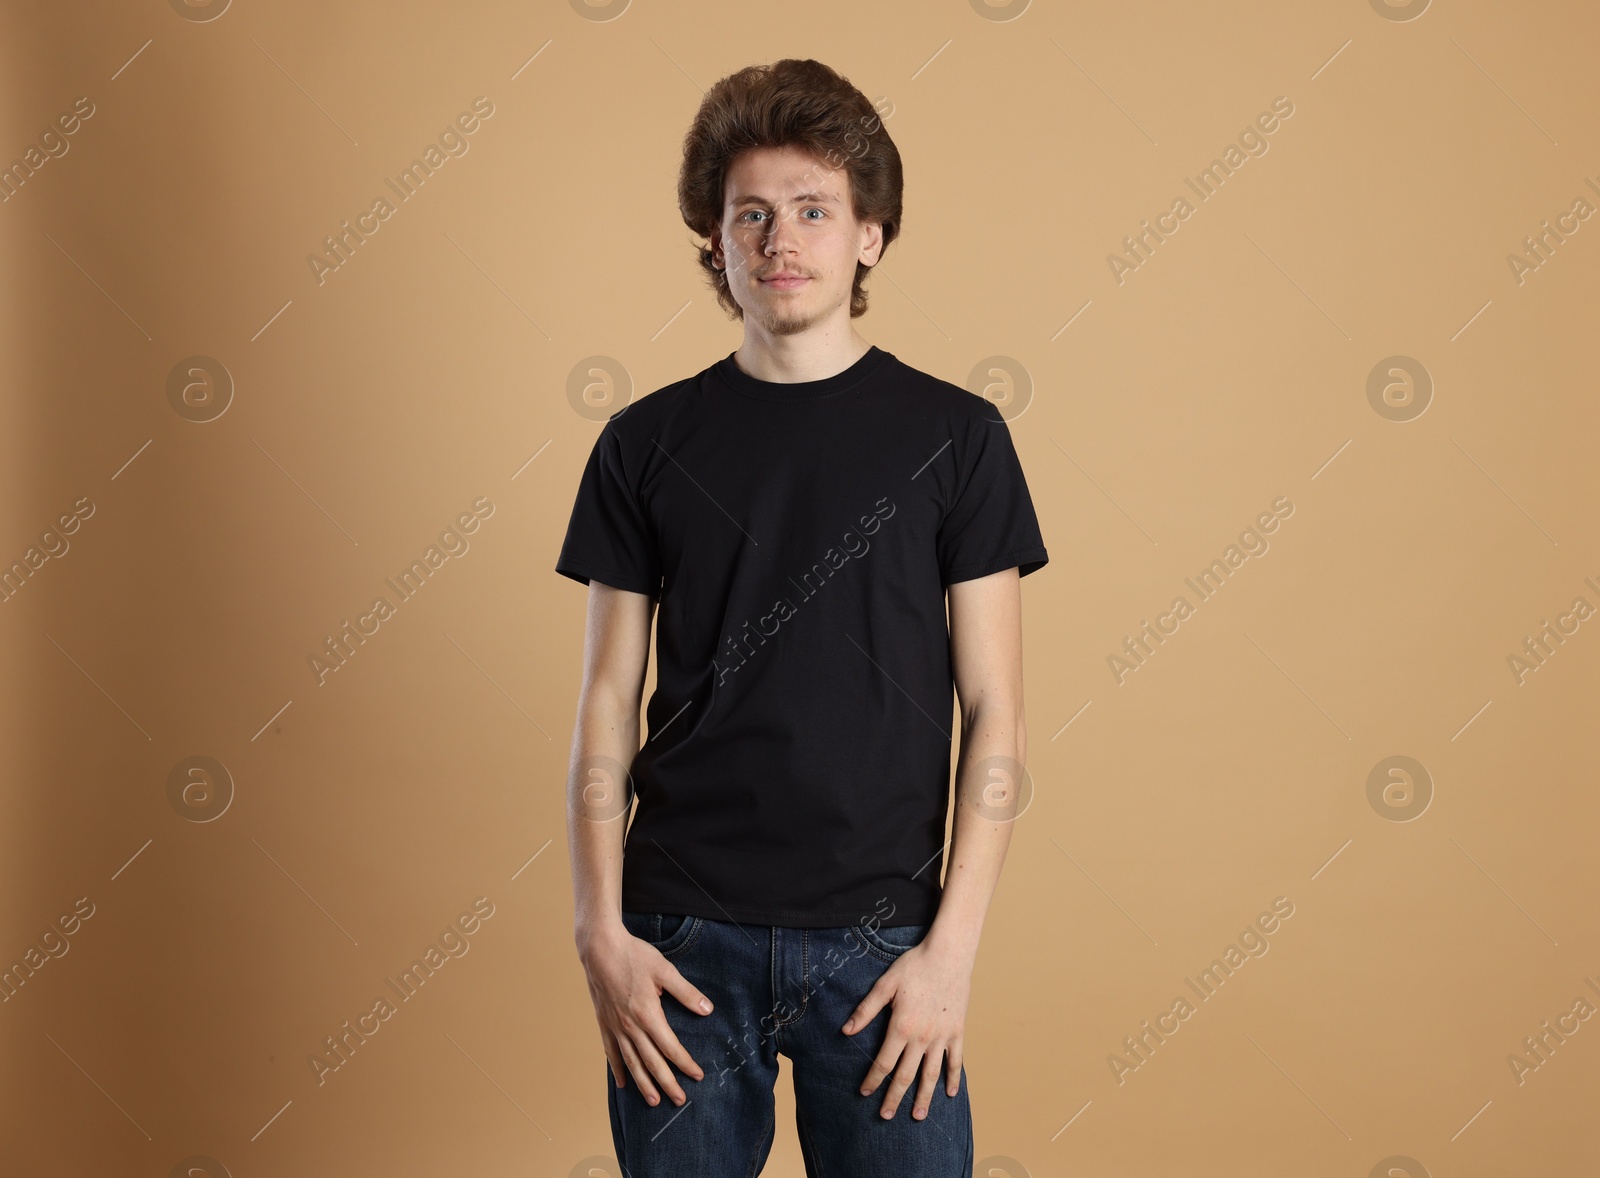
(985, 794)
(607, 732)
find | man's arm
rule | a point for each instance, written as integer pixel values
(986, 663)
(929, 984)
(616, 650)
(626, 975)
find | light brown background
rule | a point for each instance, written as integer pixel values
(433, 368)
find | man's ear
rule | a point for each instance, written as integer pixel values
(871, 243)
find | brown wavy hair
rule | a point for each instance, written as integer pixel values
(793, 102)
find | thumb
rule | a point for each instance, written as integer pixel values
(685, 991)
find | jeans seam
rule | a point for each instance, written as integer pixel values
(813, 1158)
(754, 1168)
(805, 973)
(696, 924)
(872, 948)
(805, 977)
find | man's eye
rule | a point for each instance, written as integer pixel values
(745, 217)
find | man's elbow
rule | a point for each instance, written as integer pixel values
(995, 722)
(608, 701)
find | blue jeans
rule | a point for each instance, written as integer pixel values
(789, 991)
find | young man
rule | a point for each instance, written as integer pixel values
(798, 512)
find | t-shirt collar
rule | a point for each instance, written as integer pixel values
(740, 381)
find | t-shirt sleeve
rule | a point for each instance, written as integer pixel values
(609, 537)
(991, 525)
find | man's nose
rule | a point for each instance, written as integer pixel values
(780, 236)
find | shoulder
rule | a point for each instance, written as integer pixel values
(642, 416)
(960, 407)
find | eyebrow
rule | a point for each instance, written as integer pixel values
(816, 197)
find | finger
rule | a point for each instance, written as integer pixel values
(903, 1076)
(685, 991)
(641, 1076)
(667, 1043)
(660, 1069)
(930, 1080)
(883, 1063)
(613, 1057)
(953, 1069)
(869, 1006)
(666, 1039)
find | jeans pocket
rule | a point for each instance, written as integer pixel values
(889, 943)
(668, 932)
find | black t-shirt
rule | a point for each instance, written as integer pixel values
(796, 768)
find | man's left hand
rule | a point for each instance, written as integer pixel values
(929, 989)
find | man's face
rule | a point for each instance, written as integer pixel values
(787, 213)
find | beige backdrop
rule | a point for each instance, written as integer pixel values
(216, 454)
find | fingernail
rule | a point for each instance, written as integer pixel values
(705, 1006)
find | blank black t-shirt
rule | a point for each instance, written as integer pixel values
(799, 538)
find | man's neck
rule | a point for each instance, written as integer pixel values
(791, 359)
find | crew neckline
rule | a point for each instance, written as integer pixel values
(741, 382)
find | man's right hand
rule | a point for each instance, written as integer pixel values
(627, 977)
